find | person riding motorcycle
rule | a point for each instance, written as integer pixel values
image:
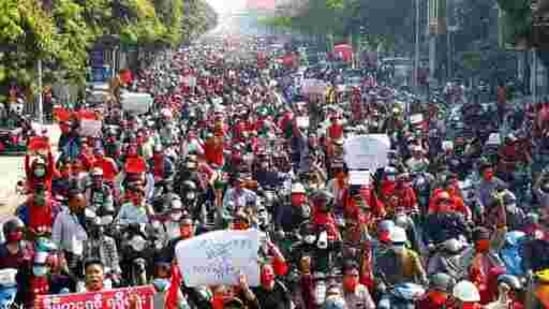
(136, 210)
(438, 294)
(355, 294)
(160, 165)
(448, 259)
(99, 194)
(397, 265)
(39, 171)
(38, 212)
(322, 217)
(509, 293)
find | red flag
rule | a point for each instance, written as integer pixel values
(173, 290)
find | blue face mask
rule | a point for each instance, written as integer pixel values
(7, 297)
(160, 284)
(39, 271)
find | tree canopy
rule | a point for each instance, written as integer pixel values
(61, 32)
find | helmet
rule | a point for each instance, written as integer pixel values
(512, 281)
(12, 225)
(96, 171)
(335, 302)
(398, 235)
(189, 185)
(513, 238)
(441, 281)
(452, 245)
(298, 188)
(323, 195)
(466, 291)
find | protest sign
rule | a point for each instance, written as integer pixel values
(91, 128)
(312, 86)
(416, 119)
(115, 298)
(367, 152)
(136, 103)
(219, 257)
(361, 178)
(302, 122)
(494, 139)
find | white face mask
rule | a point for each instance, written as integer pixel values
(189, 196)
(391, 178)
(512, 208)
(309, 239)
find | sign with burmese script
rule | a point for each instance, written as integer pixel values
(219, 257)
(115, 299)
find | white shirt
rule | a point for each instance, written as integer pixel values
(68, 233)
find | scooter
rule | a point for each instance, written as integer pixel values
(402, 296)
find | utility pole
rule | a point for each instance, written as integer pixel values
(40, 97)
(416, 49)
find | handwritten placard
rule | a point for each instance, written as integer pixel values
(367, 151)
(137, 103)
(116, 298)
(494, 139)
(302, 122)
(361, 178)
(219, 257)
(91, 128)
(416, 119)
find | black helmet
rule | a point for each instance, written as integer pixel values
(12, 225)
(189, 185)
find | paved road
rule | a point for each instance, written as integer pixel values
(11, 171)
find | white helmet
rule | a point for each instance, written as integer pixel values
(298, 188)
(398, 235)
(466, 291)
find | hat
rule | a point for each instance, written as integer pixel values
(97, 171)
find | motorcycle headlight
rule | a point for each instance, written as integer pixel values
(138, 243)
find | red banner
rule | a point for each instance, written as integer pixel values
(117, 298)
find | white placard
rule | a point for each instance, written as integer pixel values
(302, 122)
(219, 257)
(136, 102)
(312, 86)
(362, 178)
(494, 139)
(91, 128)
(416, 119)
(367, 152)
(446, 145)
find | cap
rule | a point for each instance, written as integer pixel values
(298, 188)
(97, 171)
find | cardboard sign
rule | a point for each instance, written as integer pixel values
(362, 178)
(136, 103)
(91, 128)
(416, 119)
(219, 257)
(115, 298)
(302, 122)
(367, 152)
(494, 139)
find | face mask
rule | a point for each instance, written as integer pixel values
(350, 283)
(186, 231)
(160, 284)
(39, 200)
(297, 199)
(397, 248)
(175, 216)
(267, 278)
(488, 175)
(218, 302)
(39, 271)
(512, 208)
(189, 196)
(15, 236)
(391, 178)
(309, 239)
(39, 172)
(482, 245)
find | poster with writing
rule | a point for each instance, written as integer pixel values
(136, 103)
(359, 178)
(91, 128)
(115, 298)
(219, 258)
(367, 151)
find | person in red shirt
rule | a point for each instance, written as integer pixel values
(402, 194)
(335, 130)
(444, 201)
(38, 213)
(40, 171)
(437, 295)
(322, 217)
(108, 165)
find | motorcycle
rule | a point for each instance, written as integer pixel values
(402, 296)
(134, 244)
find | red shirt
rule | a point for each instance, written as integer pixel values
(110, 170)
(40, 216)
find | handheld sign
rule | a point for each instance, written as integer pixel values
(91, 128)
(219, 257)
(361, 178)
(136, 103)
(115, 298)
(367, 152)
